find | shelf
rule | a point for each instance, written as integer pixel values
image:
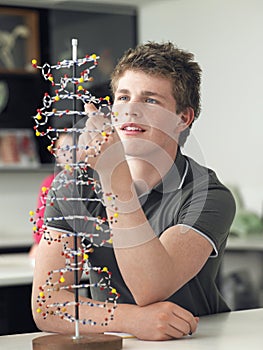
(42, 168)
(252, 242)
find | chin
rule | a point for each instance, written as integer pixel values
(136, 151)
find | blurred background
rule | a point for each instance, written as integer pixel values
(226, 38)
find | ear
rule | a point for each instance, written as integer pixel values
(186, 119)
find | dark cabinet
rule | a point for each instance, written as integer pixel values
(108, 32)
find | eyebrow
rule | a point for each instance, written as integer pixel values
(144, 93)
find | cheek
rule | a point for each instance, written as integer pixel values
(159, 136)
(162, 119)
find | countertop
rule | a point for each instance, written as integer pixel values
(240, 330)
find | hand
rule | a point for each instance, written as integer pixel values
(100, 140)
(162, 321)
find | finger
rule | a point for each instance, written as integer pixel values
(179, 327)
(90, 108)
(96, 119)
(174, 332)
(188, 318)
(193, 325)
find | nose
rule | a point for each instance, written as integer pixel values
(129, 111)
(132, 109)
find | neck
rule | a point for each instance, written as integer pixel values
(149, 171)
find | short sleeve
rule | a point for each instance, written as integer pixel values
(66, 208)
(210, 210)
(74, 206)
(59, 207)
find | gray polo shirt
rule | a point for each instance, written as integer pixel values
(190, 195)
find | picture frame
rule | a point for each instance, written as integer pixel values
(19, 40)
(18, 149)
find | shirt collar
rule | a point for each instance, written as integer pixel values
(175, 177)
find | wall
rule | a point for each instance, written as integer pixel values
(18, 189)
(18, 195)
(226, 37)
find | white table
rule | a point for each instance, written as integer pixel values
(240, 330)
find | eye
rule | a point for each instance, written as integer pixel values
(122, 98)
(151, 100)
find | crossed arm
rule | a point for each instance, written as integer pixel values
(156, 321)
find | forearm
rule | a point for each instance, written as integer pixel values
(53, 299)
(159, 321)
(98, 314)
(151, 322)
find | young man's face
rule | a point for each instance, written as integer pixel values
(145, 110)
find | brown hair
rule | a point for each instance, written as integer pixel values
(168, 61)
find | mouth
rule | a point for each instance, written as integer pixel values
(131, 128)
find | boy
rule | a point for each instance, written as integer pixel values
(173, 215)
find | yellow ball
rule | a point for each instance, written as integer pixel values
(57, 98)
(62, 279)
(67, 167)
(31, 213)
(39, 310)
(34, 61)
(38, 133)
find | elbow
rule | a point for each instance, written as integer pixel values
(44, 324)
(38, 319)
(41, 322)
(141, 302)
(146, 298)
